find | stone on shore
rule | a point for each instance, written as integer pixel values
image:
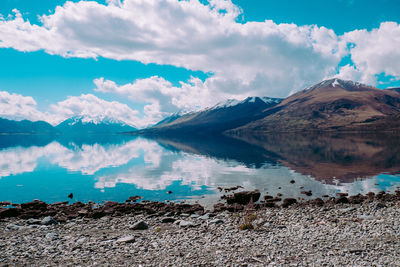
(141, 225)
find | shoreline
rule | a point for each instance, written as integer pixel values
(234, 202)
(307, 233)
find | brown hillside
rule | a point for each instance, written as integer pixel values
(333, 105)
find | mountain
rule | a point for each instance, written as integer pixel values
(26, 127)
(97, 125)
(332, 105)
(214, 120)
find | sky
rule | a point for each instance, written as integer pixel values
(141, 60)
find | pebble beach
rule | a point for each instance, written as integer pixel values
(362, 234)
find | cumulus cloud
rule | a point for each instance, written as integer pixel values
(252, 58)
(260, 58)
(162, 97)
(375, 52)
(18, 107)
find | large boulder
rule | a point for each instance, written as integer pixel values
(244, 197)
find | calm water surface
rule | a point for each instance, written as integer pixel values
(100, 168)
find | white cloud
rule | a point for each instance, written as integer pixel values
(252, 58)
(375, 52)
(162, 96)
(259, 58)
(18, 107)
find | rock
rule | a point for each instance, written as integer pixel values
(342, 200)
(348, 209)
(97, 214)
(318, 202)
(194, 216)
(80, 241)
(126, 239)
(51, 236)
(380, 205)
(186, 224)
(307, 193)
(216, 221)
(292, 181)
(168, 220)
(34, 205)
(219, 207)
(288, 202)
(12, 226)
(82, 212)
(33, 221)
(48, 221)
(61, 203)
(6, 213)
(244, 197)
(139, 226)
(204, 217)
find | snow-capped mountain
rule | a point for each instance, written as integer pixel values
(216, 119)
(93, 125)
(333, 105)
(253, 99)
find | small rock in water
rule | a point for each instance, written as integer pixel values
(139, 226)
(48, 221)
(126, 239)
(169, 192)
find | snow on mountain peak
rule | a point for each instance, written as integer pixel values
(252, 99)
(336, 82)
(84, 119)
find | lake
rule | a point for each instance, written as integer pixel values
(114, 167)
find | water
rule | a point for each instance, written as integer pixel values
(114, 167)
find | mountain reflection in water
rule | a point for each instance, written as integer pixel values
(115, 167)
(331, 157)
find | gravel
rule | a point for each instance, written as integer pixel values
(345, 234)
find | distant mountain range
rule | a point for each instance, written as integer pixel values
(79, 125)
(84, 125)
(331, 105)
(26, 127)
(217, 119)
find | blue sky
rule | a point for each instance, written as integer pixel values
(154, 58)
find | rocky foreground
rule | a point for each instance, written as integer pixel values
(362, 233)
